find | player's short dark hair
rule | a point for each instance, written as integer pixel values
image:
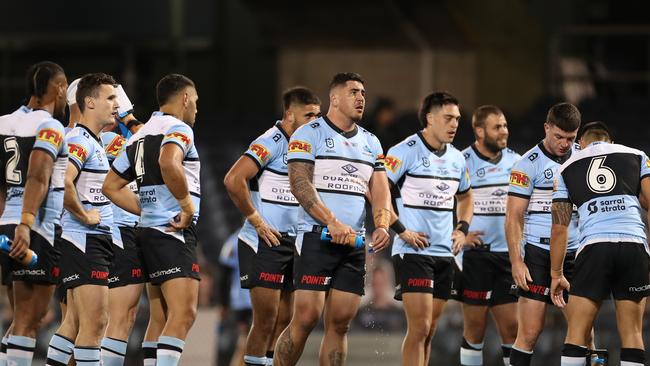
(343, 77)
(89, 87)
(482, 113)
(298, 95)
(597, 131)
(566, 116)
(39, 76)
(434, 100)
(169, 85)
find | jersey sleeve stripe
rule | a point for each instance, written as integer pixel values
(120, 174)
(299, 160)
(520, 195)
(259, 166)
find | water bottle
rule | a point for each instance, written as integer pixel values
(28, 260)
(354, 240)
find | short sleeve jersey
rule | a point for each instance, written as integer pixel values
(532, 178)
(140, 163)
(22, 132)
(604, 181)
(270, 190)
(425, 183)
(490, 180)
(343, 165)
(114, 145)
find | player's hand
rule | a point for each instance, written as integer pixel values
(92, 217)
(458, 241)
(268, 234)
(558, 285)
(473, 239)
(180, 221)
(339, 232)
(20, 243)
(415, 239)
(521, 275)
(380, 239)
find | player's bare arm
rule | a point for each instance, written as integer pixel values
(171, 169)
(465, 212)
(515, 209)
(36, 186)
(301, 177)
(71, 199)
(236, 182)
(117, 190)
(561, 215)
(381, 209)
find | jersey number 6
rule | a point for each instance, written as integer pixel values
(600, 178)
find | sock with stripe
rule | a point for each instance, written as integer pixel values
(113, 351)
(573, 355)
(471, 354)
(269, 358)
(59, 351)
(169, 351)
(149, 353)
(255, 360)
(87, 356)
(20, 350)
(632, 357)
(520, 357)
(505, 350)
(3, 351)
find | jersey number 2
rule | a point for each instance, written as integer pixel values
(12, 175)
(600, 178)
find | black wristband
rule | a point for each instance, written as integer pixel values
(398, 227)
(463, 226)
(132, 123)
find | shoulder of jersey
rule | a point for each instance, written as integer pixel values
(409, 142)
(365, 131)
(272, 134)
(533, 155)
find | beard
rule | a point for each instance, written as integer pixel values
(492, 145)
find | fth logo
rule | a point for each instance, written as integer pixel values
(392, 163)
(419, 282)
(519, 179)
(51, 136)
(99, 275)
(115, 146)
(261, 152)
(299, 146)
(272, 277)
(183, 138)
(315, 280)
(78, 151)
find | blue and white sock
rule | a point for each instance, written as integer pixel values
(20, 350)
(574, 355)
(471, 354)
(169, 351)
(3, 351)
(149, 353)
(113, 351)
(255, 360)
(505, 350)
(59, 351)
(87, 356)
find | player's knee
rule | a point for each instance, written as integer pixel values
(421, 329)
(529, 336)
(307, 320)
(340, 326)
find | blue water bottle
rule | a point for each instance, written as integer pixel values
(28, 260)
(354, 240)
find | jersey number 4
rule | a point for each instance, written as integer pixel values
(600, 178)
(12, 175)
(139, 160)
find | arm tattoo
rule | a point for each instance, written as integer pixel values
(301, 176)
(561, 212)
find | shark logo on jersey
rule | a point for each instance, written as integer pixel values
(443, 186)
(592, 207)
(349, 168)
(548, 173)
(499, 193)
(480, 173)
(425, 162)
(329, 142)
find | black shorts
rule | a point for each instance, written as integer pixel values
(619, 269)
(487, 278)
(127, 267)
(270, 267)
(424, 274)
(86, 268)
(456, 283)
(321, 265)
(46, 271)
(538, 262)
(166, 257)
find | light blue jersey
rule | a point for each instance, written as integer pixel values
(270, 190)
(343, 165)
(532, 179)
(490, 182)
(427, 181)
(140, 163)
(604, 181)
(86, 153)
(114, 145)
(22, 132)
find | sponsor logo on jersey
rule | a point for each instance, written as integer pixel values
(165, 272)
(115, 146)
(639, 288)
(520, 179)
(477, 295)
(419, 282)
(299, 146)
(262, 153)
(316, 280)
(392, 163)
(51, 136)
(78, 152)
(179, 136)
(499, 193)
(349, 168)
(443, 186)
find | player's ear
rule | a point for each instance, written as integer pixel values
(90, 102)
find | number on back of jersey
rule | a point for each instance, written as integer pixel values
(600, 178)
